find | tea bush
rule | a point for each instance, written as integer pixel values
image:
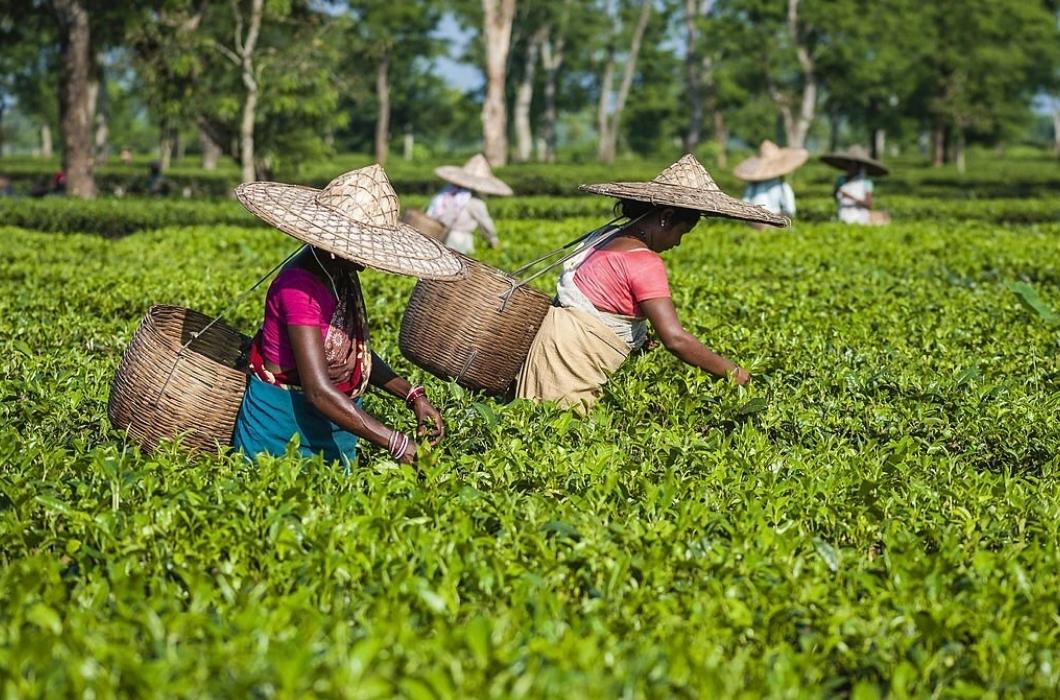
(876, 514)
(114, 218)
(988, 177)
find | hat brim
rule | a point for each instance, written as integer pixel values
(478, 183)
(401, 250)
(844, 162)
(757, 169)
(707, 202)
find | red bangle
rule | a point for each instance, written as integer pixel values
(415, 392)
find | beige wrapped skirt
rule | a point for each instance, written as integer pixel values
(571, 358)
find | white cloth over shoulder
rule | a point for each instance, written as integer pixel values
(461, 213)
(849, 196)
(774, 195)
(633, 331)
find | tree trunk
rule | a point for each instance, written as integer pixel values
(1056, 126)
(958, 149)
(408, 144)
(497, 33)
(75, 107)
(609, 138)
(165, 146)
(693, 79)
(602, 122)
(245, 49)
(47, 149)
(721, 135)
(879, 143)
(938, 144)
(382, 119)
(524, 95)
(833, 131)
(798, 125)
(101, 107)
(211, 152)
(1, 128)
(551, 60)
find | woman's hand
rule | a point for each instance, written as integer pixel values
(426, 417)
(409, 456)
(740, 376)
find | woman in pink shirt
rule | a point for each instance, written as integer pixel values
(607, 294)
(311, 361)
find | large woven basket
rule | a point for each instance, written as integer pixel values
(160, 392)
(477, 330)
(432, 228)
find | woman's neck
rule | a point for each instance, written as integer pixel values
(626, 239)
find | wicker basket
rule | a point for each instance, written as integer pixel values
(432, 228)
(159, 392)
(477, 330)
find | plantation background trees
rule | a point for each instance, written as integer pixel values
(280, 83)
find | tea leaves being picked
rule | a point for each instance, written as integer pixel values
(876, 514)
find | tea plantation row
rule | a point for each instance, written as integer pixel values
(1022, 175)
(114, 218)
(876, 514)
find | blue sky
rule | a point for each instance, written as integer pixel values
(459, 75)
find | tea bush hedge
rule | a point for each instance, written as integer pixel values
(989, 176)
(875, 515)
(114, 218)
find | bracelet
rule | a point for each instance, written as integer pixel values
(397, 444)
(415, 392)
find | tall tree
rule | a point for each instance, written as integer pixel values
(610, 104)
(524, 94)
(248, 18)
(29, 61)
(699, 64)
(553, 44)
(978, 80)
(797, 121)
(497, 16)
(191, 56)
(75, 59)
(388, 37)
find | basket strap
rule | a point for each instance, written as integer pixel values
(606, 233)
(565, 246)
(195, 335)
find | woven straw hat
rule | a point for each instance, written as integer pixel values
(356, 218)
(688, 185)
(476, 175)
(855, 155)
(771, 161)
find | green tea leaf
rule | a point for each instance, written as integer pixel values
(828, 553)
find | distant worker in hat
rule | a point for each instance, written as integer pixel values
(853, 190)
(617, 284)
(765, 174)
(311, 361)
(459, 205)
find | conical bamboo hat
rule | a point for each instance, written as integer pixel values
(356, 218)
(771, 161)
(687, 184)
(476, 175)
(855, 156)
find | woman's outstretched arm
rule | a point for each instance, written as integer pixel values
(684, 345)
(385, 378)
(312, 367)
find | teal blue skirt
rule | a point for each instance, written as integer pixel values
(270, 416)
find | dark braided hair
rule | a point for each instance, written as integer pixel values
(632, 209)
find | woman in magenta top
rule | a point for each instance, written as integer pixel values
(608, 294)
(311, 362)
